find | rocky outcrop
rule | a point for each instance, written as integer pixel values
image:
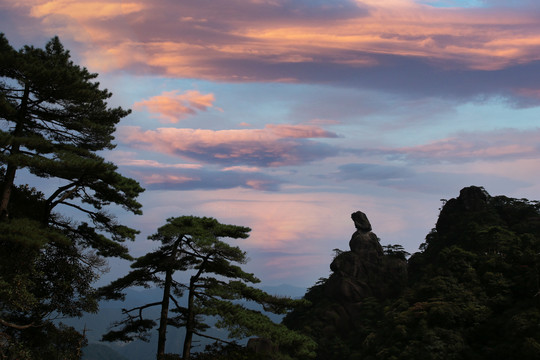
(363, 272)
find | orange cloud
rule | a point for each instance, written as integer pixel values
(275, 145)
(85, 10)
(170, 106)
(204, 39)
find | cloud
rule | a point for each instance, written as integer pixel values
(157, 175)
(170, 106)
(373, 172)
(304, 227)
(85, 10)
(400, 46)
(274, 145)
(299, 131)
(205, 179)
(466, 147)
(242, 168)
(428, 180)
(156, 164)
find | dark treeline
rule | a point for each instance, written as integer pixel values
(471, 292)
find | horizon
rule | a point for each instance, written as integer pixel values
(287, 116)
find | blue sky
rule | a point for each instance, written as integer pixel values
(287, 116)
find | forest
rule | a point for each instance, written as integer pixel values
(472, 291)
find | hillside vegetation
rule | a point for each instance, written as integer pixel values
(472, 292)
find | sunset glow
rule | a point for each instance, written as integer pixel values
(288, 115)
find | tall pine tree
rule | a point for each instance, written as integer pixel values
(53, 119)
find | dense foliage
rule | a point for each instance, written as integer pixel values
(473, 291)
(53, 120)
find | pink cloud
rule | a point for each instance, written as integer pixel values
(401, 46)
(241, 168)
(170, 106)
(495, 145)
(159, 176)
(302, 223)
(156, 164)
(206, 36)
(166, 178)
(274, 145)
(85, 10)
(299, 131)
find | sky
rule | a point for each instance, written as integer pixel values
(287, 116)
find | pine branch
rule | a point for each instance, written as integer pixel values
(16, 326)
(175, 302)
(142, 307)
(91, 213)
(215, 338)
(52, 204)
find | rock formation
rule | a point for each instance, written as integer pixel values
(364, 271)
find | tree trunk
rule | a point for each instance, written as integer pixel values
(9, 179)
(162, 331)
(190, 323)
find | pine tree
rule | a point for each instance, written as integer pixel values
(53, 119)
(216, 283)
